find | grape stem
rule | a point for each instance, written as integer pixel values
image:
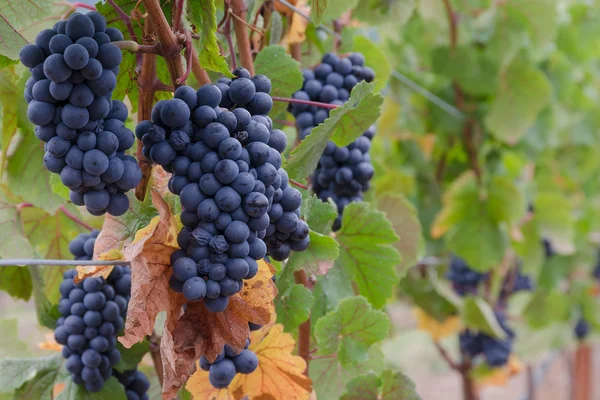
(305, 102)
(178, 15)
(154, 341)
(239, 10)
(134, 47)
(285, 123)
(226, 31)
(298, 184)
(188, 59)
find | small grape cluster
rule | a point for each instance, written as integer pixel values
(135, 382)
(227, 171)
(92, 313)
(73, 74)
(229, 363)
(343, 173)
(82, 247)
(464, 280)
(495, 351)
(582, 328)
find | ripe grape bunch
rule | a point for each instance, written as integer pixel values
(226, 165)
(82, 247)
(92, 314)
(135, 382)
(229, 363)
(73, 74)
(343, 173)
(495, 351)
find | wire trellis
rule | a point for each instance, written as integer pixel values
(37, 261)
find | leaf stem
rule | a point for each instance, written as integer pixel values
(239, 9)
(178, 15)
(127, 20)
(298, 184)
(188, 60)
(76, 5)
(227, 34)
(451, 363)
(154, 341)
(306, 102)
(74, 218)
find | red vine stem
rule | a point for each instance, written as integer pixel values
(127, 20)
(285, 123)
(306, 102)
(227, 34)
(64, 210)
(240, 8)
(178, 15)
(188, 61)
(76, 5)
(199, 72)
(298, 184)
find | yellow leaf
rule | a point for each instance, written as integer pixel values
(280, 375)
(50, 343)
(437, 330)
(297, 31)
(500, 376)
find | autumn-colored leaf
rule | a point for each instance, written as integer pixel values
(200, 332)
(297, 31)
(49, 343)
(57, 389)
(99, 271)
(500, 376)
(149, 254)
(438, 330)
(279, 374)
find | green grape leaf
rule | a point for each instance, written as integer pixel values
(12, 103)
(276, 28)
(18, 373)
(131, 357)
(330, 377)
(540, 17)
(112, 390)
(343, 126)
(380, 12)
(505, 201)
(473, 69)
(293, 306)
(50, 236)
(203, 16)
(328, 292)
(468, 225)
(10, 345)
(547, 308)
(479, 316)
(404, 218)
(58, 187)
(317, 10)
(375, 58)
(423, 293)
(318, 258)
(530, 249)
(367, 254)
(390, 386)
(351, 329)
(283, 71)
(16, 281)
(26, 175)
(524, 92)
(47, 312)
(553, 213)
(15, 15)
(318, 214)
(328, 10)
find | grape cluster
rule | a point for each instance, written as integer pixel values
(82, 247)
(222, 371)
(135, 382)
(343, 173)
(582, 329)
(226, 165)
(464, 280)
(73, 73)
(92, 314)
(495, 351)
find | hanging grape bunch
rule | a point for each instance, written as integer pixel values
(225, 158)
(136, 384)
(343, 173)
(92, 314)
(495, 351)
(229, 363)
(73, 74)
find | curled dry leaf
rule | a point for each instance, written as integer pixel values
(279, 374)
(297, 31)
(200, 332)
(99, 271)
(149, 254)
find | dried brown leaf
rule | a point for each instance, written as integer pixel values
(201, 332)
